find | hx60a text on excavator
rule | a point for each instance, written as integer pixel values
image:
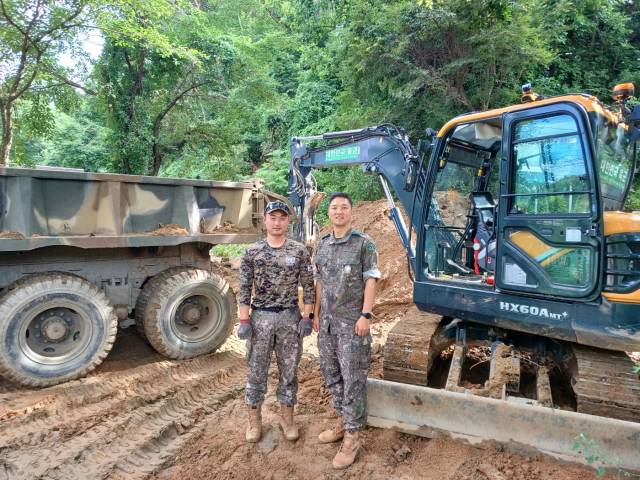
(538, 258)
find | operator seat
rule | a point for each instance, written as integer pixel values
(484, 242)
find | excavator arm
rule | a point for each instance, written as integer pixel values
(383, 150)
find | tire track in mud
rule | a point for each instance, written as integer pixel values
(115, 424)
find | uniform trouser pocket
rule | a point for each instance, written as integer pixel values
(288, 348)
(361, 351)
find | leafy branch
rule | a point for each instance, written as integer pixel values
(594, 453)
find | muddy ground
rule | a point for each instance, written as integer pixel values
(141, 416)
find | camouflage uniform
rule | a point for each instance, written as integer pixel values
(274, 274)
(343, 266)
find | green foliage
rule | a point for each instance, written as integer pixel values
(79, 141)
(228, 251)
(34, 34)
(593, 453)
(275, 172)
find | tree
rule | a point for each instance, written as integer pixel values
(34, 32)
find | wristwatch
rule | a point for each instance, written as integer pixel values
(310, 316)
(366, 315)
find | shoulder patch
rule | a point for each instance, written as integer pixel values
(357, 232)
(371, 247)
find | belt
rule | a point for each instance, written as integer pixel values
(272, 309)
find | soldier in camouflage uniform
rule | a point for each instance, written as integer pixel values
(347, 271)
(273, 268)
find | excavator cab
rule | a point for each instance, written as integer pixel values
(556, 169)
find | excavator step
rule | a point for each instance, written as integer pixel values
(407, 355)
(605, 384)
(512, 427)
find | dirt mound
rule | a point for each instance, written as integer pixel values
(228, 227)
(11, 235)
(164, 231)
(454, 207)
(395, 291)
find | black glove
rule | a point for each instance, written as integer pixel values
(305, 327)
(245, 331)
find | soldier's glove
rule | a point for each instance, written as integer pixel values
(245, 331)
(305, 327)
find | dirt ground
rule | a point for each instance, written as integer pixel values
(141, 416)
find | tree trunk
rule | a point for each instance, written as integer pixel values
(157, 154)
(135, 89)
(7, 131)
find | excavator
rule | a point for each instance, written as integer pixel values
(517, 243)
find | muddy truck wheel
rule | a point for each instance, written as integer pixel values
(189, 313)
(147, 290)
(54, 328)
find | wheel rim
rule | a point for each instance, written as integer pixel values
(55, 333)
(196, 316)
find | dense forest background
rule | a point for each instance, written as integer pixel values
(215, 89)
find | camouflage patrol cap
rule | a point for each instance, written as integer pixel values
(277, 205)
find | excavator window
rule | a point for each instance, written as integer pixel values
(548, 164)
(615, 156)
(471, 151)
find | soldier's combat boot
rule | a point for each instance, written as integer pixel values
(348, 450)
(254, 430)
(289, 427)
(334, 434)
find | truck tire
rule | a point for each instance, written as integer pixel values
(190, 313)
(147, 290)
(54, 328)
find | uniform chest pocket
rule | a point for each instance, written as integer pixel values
(351, 265)
(321, 259)
(349, 257)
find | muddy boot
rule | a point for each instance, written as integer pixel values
(348, 450)
(334, 434)
(289, 427)
(254, 430)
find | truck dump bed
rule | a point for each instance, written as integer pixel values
(83, 254)
(40, 208)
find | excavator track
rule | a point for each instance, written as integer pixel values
(605, 385)
(408, 354)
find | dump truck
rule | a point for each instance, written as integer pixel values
(81, 253)
(516, 243)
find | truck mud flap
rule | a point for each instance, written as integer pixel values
(503, 425)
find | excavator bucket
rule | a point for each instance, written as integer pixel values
(509, 426)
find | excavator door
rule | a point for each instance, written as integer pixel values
(549, 233)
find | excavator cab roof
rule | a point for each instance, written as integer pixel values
(588, 102)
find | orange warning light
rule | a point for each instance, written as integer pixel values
(623, 91)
